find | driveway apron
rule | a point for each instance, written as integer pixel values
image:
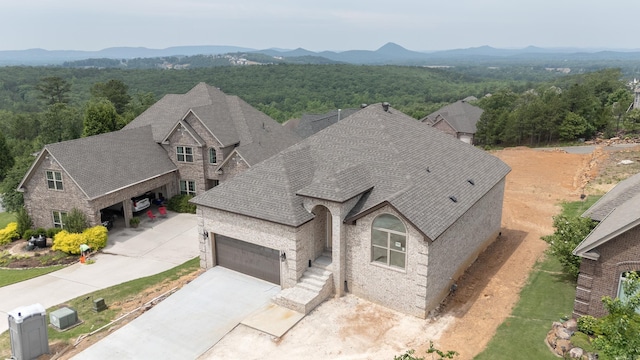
(189, 322)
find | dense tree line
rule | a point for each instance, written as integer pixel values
(564, 110)
(42, 105)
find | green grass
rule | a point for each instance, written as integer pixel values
(577, 208)
(5, 218)
(12, 276)
(547, 297)
(113, 296)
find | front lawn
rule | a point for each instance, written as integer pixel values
(116, 297)
(547, 297)
(12, 276)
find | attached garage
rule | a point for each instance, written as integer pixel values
(254, 260)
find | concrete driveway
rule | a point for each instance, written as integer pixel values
(130, 254)
(189, 322)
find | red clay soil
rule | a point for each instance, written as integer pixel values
(539, 181)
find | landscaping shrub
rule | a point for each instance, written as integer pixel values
(40, 231)
(76, 221)
(95, 237)
(29, 233)
(51, 232)
(24, 221)
(587, 324)
(9, 233)
(180, 203)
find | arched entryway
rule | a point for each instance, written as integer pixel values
(322, 232)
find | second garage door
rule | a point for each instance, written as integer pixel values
(255, 260)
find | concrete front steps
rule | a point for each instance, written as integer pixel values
(314, 287)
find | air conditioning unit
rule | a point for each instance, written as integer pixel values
(63, 318)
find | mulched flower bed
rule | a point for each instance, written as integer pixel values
(16, 256)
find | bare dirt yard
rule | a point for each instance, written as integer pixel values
(352, 328)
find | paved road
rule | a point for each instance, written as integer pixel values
(130, 254)
(189, 322)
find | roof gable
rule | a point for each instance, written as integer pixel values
(228, 118)
(460, 115)
(109, 158)
(617, 213)
(391, 156)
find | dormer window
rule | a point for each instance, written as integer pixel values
(184, 153)
(212, 156)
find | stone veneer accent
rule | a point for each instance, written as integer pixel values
(600, 277)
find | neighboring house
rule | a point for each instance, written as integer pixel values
(310, 124)
(458, 119)
(611, 250)
(184, 143)
(377, 205)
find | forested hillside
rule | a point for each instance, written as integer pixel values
(533, 106)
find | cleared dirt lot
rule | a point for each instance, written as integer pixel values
(350, 328)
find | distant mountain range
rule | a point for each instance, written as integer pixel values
(389, 54)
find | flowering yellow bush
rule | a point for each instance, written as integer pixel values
(95, 237)
(9, 233)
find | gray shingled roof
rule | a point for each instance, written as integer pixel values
(461, 115)
(414, 168)
(622, 192)
(104, 163)
(230, 119)
(310, 124)
(616, 212)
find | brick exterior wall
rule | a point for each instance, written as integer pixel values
(445, 128)
(600, 277)
(401, 290)
(459, 246)
(40, 201)
(234, 166)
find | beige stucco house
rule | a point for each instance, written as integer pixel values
(185, 143)
(377, 205)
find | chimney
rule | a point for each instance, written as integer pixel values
(385, 106)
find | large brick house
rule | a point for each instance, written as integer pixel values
(611, 250)
(185, 143)
(458, 120)
(377, 205)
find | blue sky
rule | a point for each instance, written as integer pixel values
(317, 25)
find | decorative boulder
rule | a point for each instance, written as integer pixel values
(576, 353)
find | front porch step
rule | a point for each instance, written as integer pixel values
(314, 287)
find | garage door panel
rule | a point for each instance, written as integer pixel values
(254, 260)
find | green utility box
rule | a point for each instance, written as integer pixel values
(63, 318)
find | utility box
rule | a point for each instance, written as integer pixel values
(63, 318)
(28, 332)
(99, 305)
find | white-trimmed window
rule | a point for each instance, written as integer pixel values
(59, 218)
(213, 159)
(621, 294)
(188, 187)
(389, 241)
(54, 180)
(184, 153)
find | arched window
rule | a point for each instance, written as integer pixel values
(212, 156)
(621, 291)
(389, 241)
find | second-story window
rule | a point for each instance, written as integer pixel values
(54, 180)
(185, 153)
(212, 156)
